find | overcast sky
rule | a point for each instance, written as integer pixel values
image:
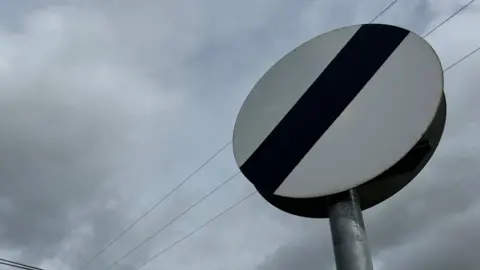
(105, 106)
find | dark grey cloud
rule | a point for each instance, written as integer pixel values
(94, 121)
(74, 122)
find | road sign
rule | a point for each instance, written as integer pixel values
(361, 107)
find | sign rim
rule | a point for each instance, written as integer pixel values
(272, 66)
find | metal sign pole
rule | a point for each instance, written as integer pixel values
(348, 232)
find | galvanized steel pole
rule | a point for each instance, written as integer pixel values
(348, 232)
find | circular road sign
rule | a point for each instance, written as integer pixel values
(358, 107)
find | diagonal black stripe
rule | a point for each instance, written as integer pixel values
(321, 104)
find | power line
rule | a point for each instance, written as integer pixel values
(25, 265)
(446, 20)
(155, 206)
(173, 220)
(461, 59)
(18, 265)
(451, 16)
(383, 11)
(197, 229)
(15, 265)
(254, 192)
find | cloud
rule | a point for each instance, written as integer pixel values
(105, 106)
(74, 119)
(454, 244)
(98, 103)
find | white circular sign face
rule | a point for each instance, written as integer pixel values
(338, 111)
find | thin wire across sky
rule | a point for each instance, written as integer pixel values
(158, 203)
(18, 265)
(190, 176)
